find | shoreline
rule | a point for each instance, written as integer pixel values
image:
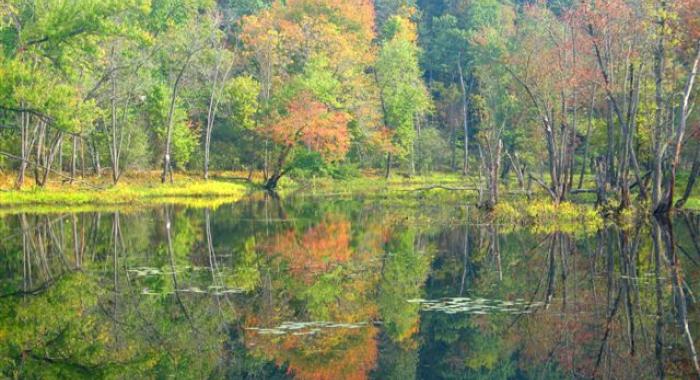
(131, 192)
(190, 190)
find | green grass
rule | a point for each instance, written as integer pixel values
(693, 203)
(541, 215)
(188, 192)
(377, 184)
(144, 188)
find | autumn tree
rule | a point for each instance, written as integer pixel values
(311, 124)
(315, 51)
(550, 90)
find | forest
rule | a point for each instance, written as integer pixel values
(560, 97)
(349, 189)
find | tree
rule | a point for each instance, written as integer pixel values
(166, 118)
(44, 42)
(403, 95)
(313, 49)
(550, 89)
(312, 124)
(182, 43)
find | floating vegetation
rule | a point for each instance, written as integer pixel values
(220, 290)
(479, 306)
(212, 290)
(644, 278)
(305, 328)
(150, 271)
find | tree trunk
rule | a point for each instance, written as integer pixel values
(665, 204)
(519, 172)
(659, 144)
(73, 158)
(95, 157)
(553, 159)
(82, 156)
(279, 170)
(601, 181)
(625, 201)
(169, 136)
(211, 113)
(39, 151)
(453, 140)
(24, 149)
(588, 135)
(60, 157)
(465, 111)
(419, 150)
(53, 149)
(611, 146)
(495, 165)
(388, 166)
(115, 143)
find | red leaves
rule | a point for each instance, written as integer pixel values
(311, 123)
(318, 250)
(687, 24)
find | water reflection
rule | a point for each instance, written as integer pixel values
(328, 289)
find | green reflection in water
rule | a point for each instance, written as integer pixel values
(342, 288)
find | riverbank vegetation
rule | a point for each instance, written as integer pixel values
(132, 192)
(568, 99)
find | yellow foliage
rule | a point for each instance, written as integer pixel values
(545, 216)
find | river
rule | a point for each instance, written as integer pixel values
(343, 288)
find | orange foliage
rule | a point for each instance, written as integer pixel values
(297, 29)
(688, 22)
(381, 138)
(312, 123)
(331, 354)
(319, 249)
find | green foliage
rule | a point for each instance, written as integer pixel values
(242, 92)
(318, 78)
(57, 326)
(307, 164)
(430, 148)
(448, 45)
(403, 276)
(246, 271)
(403, 94)
(106, 71)
(185, 138)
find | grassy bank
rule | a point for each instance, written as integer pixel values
(373, 182)
(144, 188)
(130, 192)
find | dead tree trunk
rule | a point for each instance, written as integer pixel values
(665, 203)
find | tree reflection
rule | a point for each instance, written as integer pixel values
(668, 248)
(316, 289)
(573, 334)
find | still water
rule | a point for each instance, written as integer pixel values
(328, 288)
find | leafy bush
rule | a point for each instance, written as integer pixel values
(308, 164)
